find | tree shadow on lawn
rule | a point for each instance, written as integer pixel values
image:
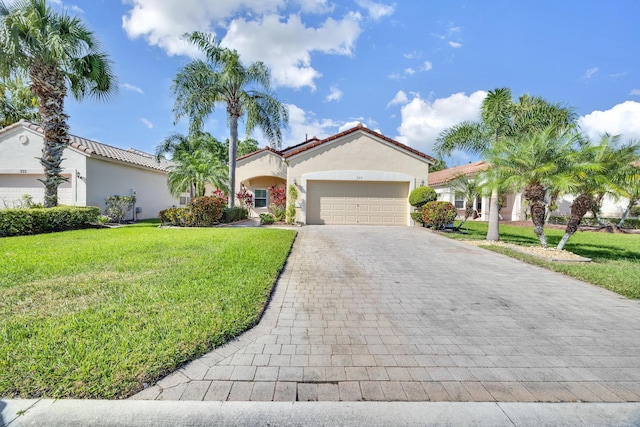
(603, 251)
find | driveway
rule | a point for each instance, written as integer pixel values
(402, 314)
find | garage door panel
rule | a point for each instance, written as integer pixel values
(14, 186)
(356, 202)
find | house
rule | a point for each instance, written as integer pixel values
(357, 176)
(94, 172)
(512, 206)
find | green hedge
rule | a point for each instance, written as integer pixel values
(591, 222)
(16, 222)
(204, 211)
(234, 214)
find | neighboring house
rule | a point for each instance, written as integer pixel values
(355, 177)
(512, 205)
(94, 172)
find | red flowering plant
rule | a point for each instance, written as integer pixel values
(220, 195)
(278, 203)
(245, 197)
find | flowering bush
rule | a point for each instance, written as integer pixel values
(438, 214)
(245, 197)
(206, 211)
(221, 195)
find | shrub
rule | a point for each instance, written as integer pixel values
(635, 211)
(278, 197)
(266, 219)
(417, 217)
(16, 222)
(234, 214)
(438, 214)
(118, 207)
(245, 197)
(421, 195)
(291, 209)
(205, 211)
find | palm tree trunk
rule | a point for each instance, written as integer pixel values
(625, 214)
(493, 233)
(233, 149)
(535, 194)
(579, 208)
(48, 85)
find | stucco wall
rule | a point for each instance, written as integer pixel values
(105, 178)
(19, 152)
(262, 164)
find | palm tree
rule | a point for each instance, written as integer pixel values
(537, 163)
(194, 170)
(176, 145)
(16, 101)
(631, 190)
(501, 118)
(60, 54)
(470, 188)
(245, 91)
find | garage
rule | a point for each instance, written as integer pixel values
(355, 202)
(14, 186)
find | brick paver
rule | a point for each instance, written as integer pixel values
(400, 313)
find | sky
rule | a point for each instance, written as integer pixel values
(407, 69)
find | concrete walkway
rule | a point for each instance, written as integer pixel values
(402, 314)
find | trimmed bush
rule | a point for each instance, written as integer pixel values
(234, 214)
(588, 221)
(205, 211)
(422, 195)
(438, 214)
(266, 219)
(16, 222)
(291, 208)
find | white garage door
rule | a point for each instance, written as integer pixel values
(14, 186)
(356, 202)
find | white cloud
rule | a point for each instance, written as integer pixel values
(590, 72)
(349, 125)
(635, 92)
(423, 120)
(286, 46)
(623, 119)
(255, 28)
(455, 45)
(335, 94)
(395, 76)
(409, 71)
(376, 10)
(76, 9)
(426, 66)
(304, 125)
(147, 123)
(131, 87)
(412, 55)
(399, 98)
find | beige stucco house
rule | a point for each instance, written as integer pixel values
(354, 177)
(94, 172)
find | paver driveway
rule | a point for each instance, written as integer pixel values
(399, 313)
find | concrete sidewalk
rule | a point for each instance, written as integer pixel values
(126, 413)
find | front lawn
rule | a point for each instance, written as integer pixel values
(97, 313)
(616, 257)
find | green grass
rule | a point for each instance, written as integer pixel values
(97, 313)
(616, 257)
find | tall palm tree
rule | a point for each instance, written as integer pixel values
(16, 101)
(194, 170)
(537, 163)
(501, 118)
(245, 91)
(60, 54)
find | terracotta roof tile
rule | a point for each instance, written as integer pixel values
(446, 175)
(262, 150)
(131, 156)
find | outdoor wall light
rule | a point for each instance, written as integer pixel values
(295, 181)
(422, 183)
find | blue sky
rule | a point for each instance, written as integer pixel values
(408, 69)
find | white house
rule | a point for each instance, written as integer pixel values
(94, 172)
(354, 177)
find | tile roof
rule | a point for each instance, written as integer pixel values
(131, 156)
(262, 150)
(314, 142)
(446, 175)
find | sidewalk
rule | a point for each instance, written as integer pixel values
(71, 413)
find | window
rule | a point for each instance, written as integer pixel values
(459, 201)
(184, 200)
(260, 198)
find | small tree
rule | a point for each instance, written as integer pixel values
(291, 209)
(117, 207)
(278, 205)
